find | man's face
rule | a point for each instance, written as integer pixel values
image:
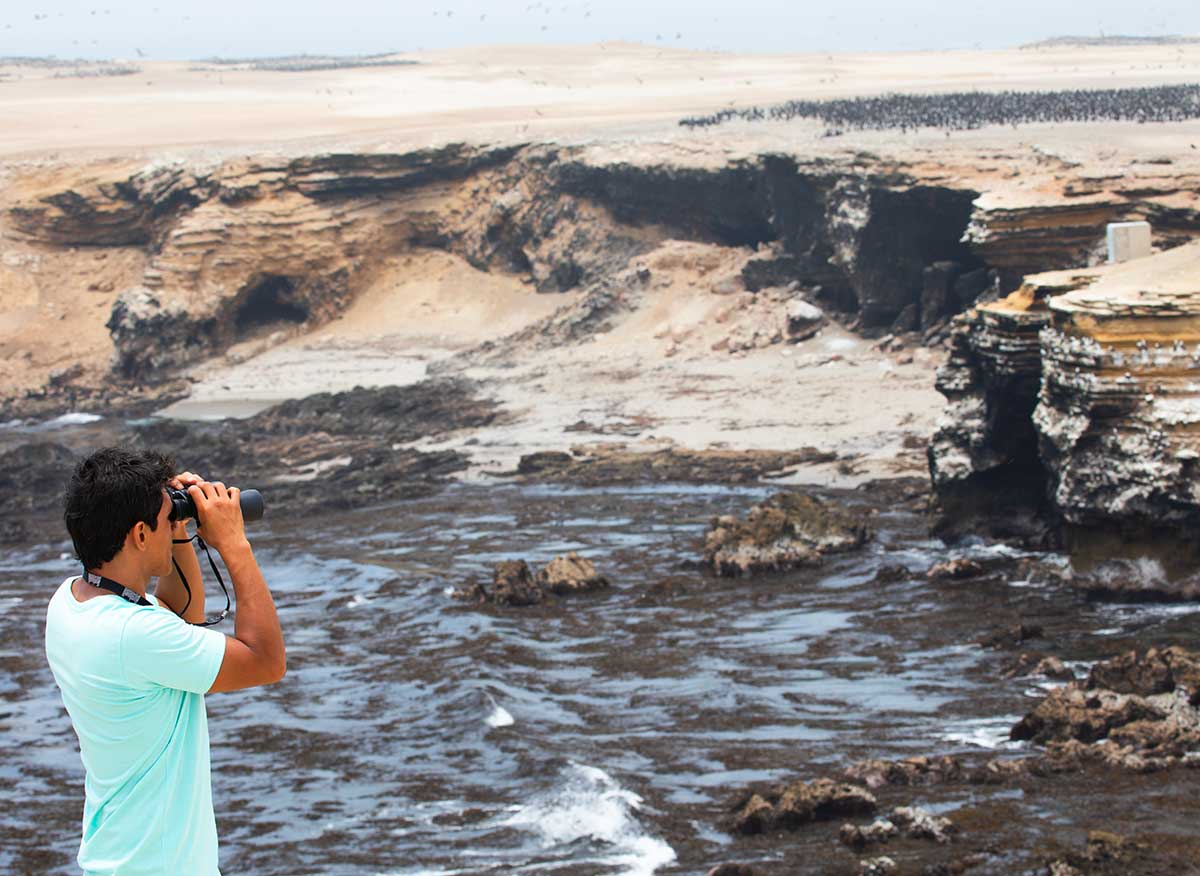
(160, 539)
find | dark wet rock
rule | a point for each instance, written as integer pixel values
(1110, 854)
(881, 866)
(1072, 713)
(544, 461)
(955, 570)
(792, 806)
(1010, 637)
(32, 479)
(918, 823)
(1054, 669)
(911, 771)
(858, 837)
(513, 584)
(1156, 671)
(1143, 674)
(605, 465)
(397, 413)
(787, 531)
(570, 574)
(892, 573)
(1035, 664)
(731, 869)
(472, 593)
(666, 589)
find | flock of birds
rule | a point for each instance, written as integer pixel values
(968, 110)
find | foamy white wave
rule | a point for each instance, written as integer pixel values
(500, 717)
(75, 418)
(590, 805)
(357, 601)
(989, 733)
(1145, 571)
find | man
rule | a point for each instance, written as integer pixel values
(133, 669)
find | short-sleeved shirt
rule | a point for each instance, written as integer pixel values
(133, 680)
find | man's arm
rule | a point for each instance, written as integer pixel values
(254, 654)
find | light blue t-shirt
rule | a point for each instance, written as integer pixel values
(133, 680)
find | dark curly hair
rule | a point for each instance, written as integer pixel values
(109, 492)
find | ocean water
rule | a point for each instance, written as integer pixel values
(602, 734)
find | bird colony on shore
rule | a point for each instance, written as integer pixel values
(974, 109)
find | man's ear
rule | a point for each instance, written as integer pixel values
(138, 536)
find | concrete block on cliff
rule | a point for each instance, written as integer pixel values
(1128, 240)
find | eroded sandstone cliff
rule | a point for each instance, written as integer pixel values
(247, 246)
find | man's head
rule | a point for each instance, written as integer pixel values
(117, 497)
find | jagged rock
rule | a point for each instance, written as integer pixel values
(1072, 713)
(1054, 669)
(881, 866)
(665, 589)
(514, 584)
(570, 574)
(1061, 868)
(544, 460)
(1011, 636)
(983, 457)
(859, 837)
(937, 292)
(954, 570)
(919, 823)
(803, 320)
(787, 531)
(911, 771)
(892, 573)
(798, 804)
(1079, 388)
(1152, 672)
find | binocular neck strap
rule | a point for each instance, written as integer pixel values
(113, 587)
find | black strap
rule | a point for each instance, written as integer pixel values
(113, 587)
(210, 621)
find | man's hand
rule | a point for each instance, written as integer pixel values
(182, 482)
(219, 513)
(170, 589)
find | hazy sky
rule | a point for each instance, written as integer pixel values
(175, 29)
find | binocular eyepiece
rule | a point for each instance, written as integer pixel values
(183, 508)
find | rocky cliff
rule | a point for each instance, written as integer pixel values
(255, 245)
(1079, 395)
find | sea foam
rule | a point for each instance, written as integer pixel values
(588, 804)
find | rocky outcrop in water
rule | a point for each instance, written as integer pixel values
(789, 807)
(789, 530)
(1137, 710)
(605, 465)
(326, 452)
(515, 584)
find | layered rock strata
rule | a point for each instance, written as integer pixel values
(250, 245)
(1081, 389)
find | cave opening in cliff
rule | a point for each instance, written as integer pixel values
(268, 302)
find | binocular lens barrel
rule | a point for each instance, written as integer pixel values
(183, 508)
